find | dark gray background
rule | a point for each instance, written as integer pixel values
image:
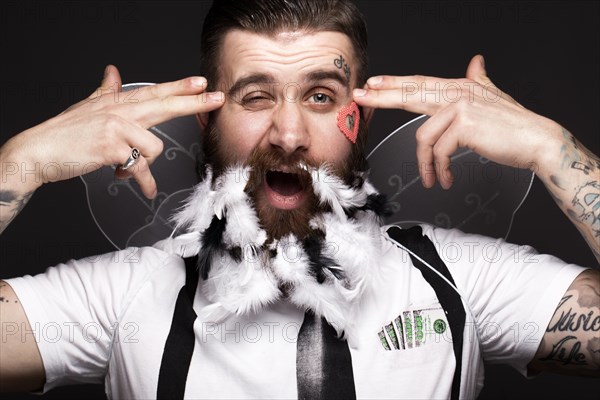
(545, 54)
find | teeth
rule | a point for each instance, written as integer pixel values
(300, 165)
(303, 167)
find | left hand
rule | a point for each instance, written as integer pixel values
(469, 112)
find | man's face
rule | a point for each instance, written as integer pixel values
(283, 95)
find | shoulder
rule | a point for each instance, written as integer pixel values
(110, 278)
(440, 237)
(457, 247)
(132, 262)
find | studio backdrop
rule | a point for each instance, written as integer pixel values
(544, 54)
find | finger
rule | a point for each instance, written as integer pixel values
(112, 78)
(387, 82)
(111, 82)
(415, 93)
(156, 111)
(408, 99)
(443, 149)
(427, 137)
(149, 145)
(114, 134)
(140, 171)
(476, 72)
(187, 86)
(476, 68)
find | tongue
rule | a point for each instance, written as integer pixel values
(283, 183)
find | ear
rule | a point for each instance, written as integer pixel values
(367, 112)
(202, 119)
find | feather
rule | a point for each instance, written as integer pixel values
(318, 261)
(329, 271)
(243, 226)
(213, 313)
(290, 264)
(229, 188)
(240, 287)
(192, 214)
(331, 190)
(376, 202)
(211, 245)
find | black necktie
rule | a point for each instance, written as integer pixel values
(323, 362)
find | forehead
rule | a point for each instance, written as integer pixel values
(287, 56)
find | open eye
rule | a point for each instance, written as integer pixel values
(320, 98)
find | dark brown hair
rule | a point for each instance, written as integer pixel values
(271, 17)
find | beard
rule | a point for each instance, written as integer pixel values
(320, 255)
(266, 169)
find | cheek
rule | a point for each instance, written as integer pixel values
(348, 121)
(240, 132)
(327, 141)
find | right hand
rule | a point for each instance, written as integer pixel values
(102, 129)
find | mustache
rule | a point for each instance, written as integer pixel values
(262, 161)
(272, 158)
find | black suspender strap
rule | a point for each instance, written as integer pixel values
(179, 346)
(323, 362)
(450, 300)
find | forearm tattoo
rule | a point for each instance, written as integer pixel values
(575, 187)
(576, 156)
(11, 203)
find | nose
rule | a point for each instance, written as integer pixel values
(289, 131)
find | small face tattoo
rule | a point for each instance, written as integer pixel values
(348, 119)
(341, 64)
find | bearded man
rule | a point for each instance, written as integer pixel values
(279, 280)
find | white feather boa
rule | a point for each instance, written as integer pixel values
(255, 281)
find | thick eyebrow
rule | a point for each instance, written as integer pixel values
(252, 79)
(267, 79)
(322, 75)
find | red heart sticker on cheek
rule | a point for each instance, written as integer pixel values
(347, 120)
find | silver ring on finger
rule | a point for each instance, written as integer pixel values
(131, 160)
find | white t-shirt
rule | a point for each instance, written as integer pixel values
(107, 318)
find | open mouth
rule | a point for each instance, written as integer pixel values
(285, 190)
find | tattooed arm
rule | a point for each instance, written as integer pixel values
(11, 203)
(572, 175)
(571, 344)
(15, 190)
(501, 130)
(21, 366)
